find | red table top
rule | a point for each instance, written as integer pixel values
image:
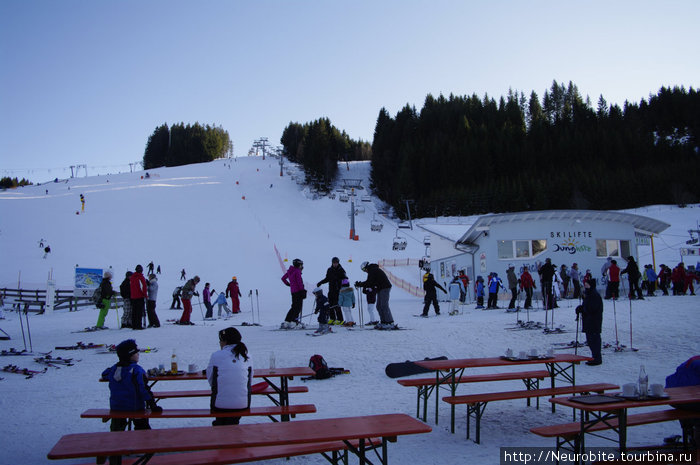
(222, 437)
(286, 372)
(677, 395)
(444, 365)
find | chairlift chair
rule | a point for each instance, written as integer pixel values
(426, 241)
(376, 225)
(344, 197)
(399, 242)
(366, 198)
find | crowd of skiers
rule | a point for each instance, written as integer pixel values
(336, 308)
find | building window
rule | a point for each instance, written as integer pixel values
(521, 248)
(612, 248)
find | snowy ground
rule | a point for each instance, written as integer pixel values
(219, 221)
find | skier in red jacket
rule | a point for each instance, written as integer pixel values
(235, 293)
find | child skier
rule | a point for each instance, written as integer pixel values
(456, 291)
(479, 288)
(322, 308)
(346, 301)
(221, 301)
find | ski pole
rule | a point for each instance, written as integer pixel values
(576, 342)
(29, 333)
(199, 302)
(632, 348)
(257, 301)
(116, 309)
(617, 340)
(22, 325)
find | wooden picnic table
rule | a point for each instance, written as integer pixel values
(280, 385)
(156, 441)
(449, 372)
(603, 412)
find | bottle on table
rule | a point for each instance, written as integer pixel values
(643, 386)
(173, 363)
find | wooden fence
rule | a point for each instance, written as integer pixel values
(34, 300)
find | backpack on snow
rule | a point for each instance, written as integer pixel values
(320, 367)
(97, 297)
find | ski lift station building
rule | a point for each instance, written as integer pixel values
(527, 239)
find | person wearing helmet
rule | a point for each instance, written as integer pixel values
(376, 278)
(430, 286)
(292, 279)
(106, 294)
(334, 276)
(322, 307)
(235, 293)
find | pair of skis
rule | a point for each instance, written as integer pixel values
(80, 345)
(22, 371)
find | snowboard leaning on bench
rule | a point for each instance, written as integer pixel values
(407, 368)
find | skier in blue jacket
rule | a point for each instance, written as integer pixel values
(494, 285)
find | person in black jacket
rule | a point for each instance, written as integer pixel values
(125, 291)
(430, 287)
(546, 272)
(592, 313)
(334, 276)
(376, 278)
(632, 271)
(106, 294)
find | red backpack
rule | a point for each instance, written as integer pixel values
(320, 367)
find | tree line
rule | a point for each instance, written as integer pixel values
(318, 146)
(181, 145)
(463, 155)
(9, 183)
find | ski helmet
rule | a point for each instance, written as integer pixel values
(364, 266)
(335, 260)
(318, 290)
(297, 262)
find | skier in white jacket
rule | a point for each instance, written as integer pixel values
(229, 374)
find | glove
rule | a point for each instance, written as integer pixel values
(358, 284)
(579, 310)
(155, 408)
(318, 284)
(353, 305)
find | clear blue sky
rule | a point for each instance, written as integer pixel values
(86, 82)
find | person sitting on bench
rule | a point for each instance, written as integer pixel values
(128, 389)
(230, 373)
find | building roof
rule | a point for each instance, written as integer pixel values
(642, 224)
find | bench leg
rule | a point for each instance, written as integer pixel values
(478, 410)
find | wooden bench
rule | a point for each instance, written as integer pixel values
(250, 438)
(476, 403)
(291, 410)
(569, 433)
(267, 391)
(337, 449)
(425, 386)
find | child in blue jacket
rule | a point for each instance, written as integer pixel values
(128, 390)
(346, 301)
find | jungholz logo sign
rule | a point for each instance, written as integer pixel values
(571, 247)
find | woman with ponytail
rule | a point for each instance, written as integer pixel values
(229, 374)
